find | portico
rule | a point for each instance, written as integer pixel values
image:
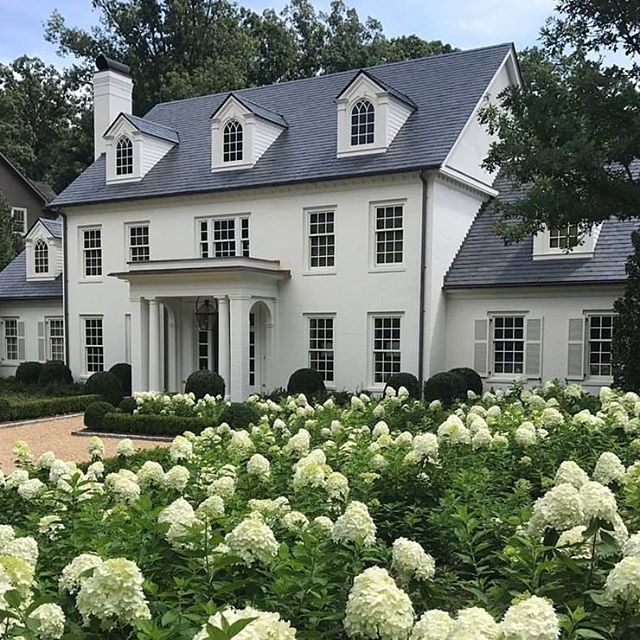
(217, 314)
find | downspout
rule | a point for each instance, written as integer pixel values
(65, 286)
(423, 275)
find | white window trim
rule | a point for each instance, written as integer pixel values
(83, 276)
(4, 320)
(506, 377)
(371, 315)
(387, 267)
(46, 272)
(307, 318)
(22, 210)
(602, 380)
(585, 248)
(307, 269)
(83, 342)
(237, 217)
(127, 238)
(48, 341)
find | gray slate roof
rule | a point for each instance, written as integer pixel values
(258, 110)
(54, 227)
(445, 89)
(483, 259)
(150, 128)
(14, 284)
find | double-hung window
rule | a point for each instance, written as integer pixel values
(386, 357)
(92, 252)
(55, 339)
(11, 349)
(508, 344)
(19, 219)
(138, 236)
(321, 354)
(599, 334)
(224, 237)
(388, 235)
(93, 344)
(322, 239)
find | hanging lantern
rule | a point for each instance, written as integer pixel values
(204, 314)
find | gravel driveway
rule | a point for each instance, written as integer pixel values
(57, 435)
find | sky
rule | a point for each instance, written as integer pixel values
(462, 23)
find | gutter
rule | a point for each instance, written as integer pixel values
(423, 269)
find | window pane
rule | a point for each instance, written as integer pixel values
(321, 239)
(94, 349)
(389, 235)
(362, 123)
(386, 347)
(321, 356)
(508, 344)
(139, 243)
(124, 156)
(599, 345)
(92, 252)
(232, 142)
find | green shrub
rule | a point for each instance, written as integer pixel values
(28, 372)
(148, 425)
(5, 410)
(239, 415)
(55, 371)
(201, 383)
(406, 380)
(95, 413)
(307, 381)
(106, 385)
(472, 380)
(446, 387)
(128, 404)
(122, 371)
(46, 407)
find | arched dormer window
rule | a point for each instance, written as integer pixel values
(232, 142)
(124, 156)
(362, 123)
(41, 257)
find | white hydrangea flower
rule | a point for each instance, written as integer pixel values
(572, 542)
(311, 471)
(25, 548)
(96, 448)
(50, 621)
(623, 582)
(571, 473)
(433, 625)
(410, 560)
(252, 541)
(295, 521)
(265, 626)
(298, 444)
(425, 446)
(181, 449)
(50, 526)
(531, 619)
(560, 508)
(598, 502)
(454, 431)
(16, 478)
(259, 467)
(609, 468)
(210, 508)
(324, 525)
(355, 525)
(46, 460)
(31, 489)
(482, 438)
(551, 417)
(151, 474)
(337, 486)
(16, 573)
(380, 428)
(95, 470)
(113, 594)
(71, 577)
(225, 487)
(377, 608)
(123, 486)
(474, 623)
(7, 534)
(125, 448)
(632, 545)
(22, 453)
(180, 517)
(526, 435)
(240, 446)
(177, 478)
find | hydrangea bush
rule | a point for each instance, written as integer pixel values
(511, 516)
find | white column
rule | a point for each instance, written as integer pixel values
(139, 345)
(239, 351)
(172, 349)
(188, 340)
(267, 361)
(223, 342)
(154, 345)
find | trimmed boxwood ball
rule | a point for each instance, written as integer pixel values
(471, 379)
(105, 384)
(446, 387)
(28, 372)
(239, 415)
(307, 381)
(122, 371)
(407, 380)
(128, 404)
(55, 371)
(201, 383)
(95, 412)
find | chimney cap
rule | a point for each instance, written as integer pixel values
(107, 64)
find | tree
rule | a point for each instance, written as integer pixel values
(626, 337)
(11, 243)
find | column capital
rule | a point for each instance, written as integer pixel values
(222, 300)
(239, 296)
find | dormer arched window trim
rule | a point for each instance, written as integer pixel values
(40, 257)
(124, 156)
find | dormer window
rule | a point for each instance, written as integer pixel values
(232, 142)
(565, 241)
(124, 156)
(41, 257)
(565, 237)
(362, 123)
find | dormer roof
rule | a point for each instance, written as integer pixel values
(148, 127)
(253, 107)
(383, 85)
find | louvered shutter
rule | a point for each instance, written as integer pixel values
(533, 348)
(481, 346)
(3, 343)
(21, 336)
(41, 342)
(575, 356)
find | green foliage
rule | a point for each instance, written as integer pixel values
(55, 371)
(95, 413)
(31, 408)
(446, 387)
(122, 371)
(239, 415)
(625, 346)
(202, 383)
(406, 380)
(307, 381)
(472, 380)
(5, 410)
(150, 425)
(128, 404)
(105, 384)
(28, 372)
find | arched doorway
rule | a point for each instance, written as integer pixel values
(259, 336)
